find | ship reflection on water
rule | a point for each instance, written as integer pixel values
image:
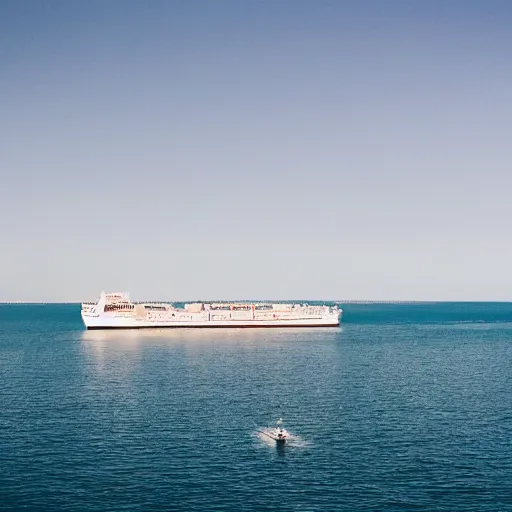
(133, 338)
(122, 343)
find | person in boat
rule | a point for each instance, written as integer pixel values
(281, 433)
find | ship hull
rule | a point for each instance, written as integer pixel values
(96, 323)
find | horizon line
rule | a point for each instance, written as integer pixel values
(338, 301)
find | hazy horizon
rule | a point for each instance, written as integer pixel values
(270, 300)
(322, 149)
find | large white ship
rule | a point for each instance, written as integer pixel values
(116, 311)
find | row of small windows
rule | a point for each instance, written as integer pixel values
(119, 307)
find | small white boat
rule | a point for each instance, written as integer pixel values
(278, 433)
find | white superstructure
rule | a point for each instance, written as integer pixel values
(116, 311)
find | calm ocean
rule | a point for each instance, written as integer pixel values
(403, 408)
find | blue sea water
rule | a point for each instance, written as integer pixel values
(404, 408)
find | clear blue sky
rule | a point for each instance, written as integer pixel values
(256, 149)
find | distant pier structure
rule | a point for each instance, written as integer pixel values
(382, 302)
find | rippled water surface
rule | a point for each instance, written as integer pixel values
(406, 407)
